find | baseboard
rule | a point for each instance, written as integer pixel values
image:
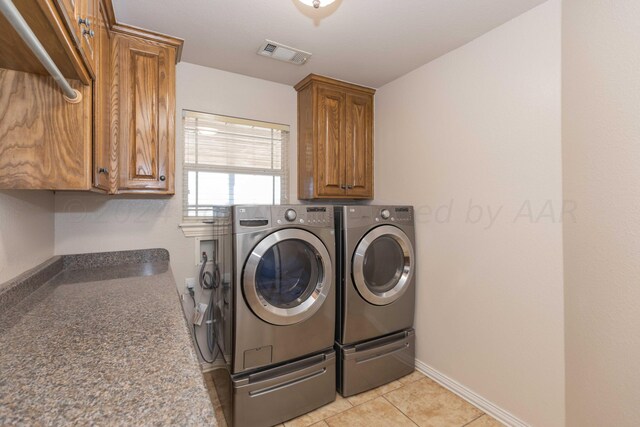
(470, 396)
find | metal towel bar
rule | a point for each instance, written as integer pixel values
(16, 20)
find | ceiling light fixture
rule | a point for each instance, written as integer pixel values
(317, 3)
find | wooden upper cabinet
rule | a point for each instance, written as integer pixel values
(121, 137)
(45, 142)
(335, 139)
(143, 90)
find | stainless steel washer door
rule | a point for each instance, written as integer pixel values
(383, 265)
(287, 277)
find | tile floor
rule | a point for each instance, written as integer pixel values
(410, 401)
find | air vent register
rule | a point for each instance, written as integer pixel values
(284, 53)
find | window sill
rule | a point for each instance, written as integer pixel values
(197, 229)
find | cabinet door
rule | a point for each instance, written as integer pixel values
(359, 146)
(330, 159)
(81, 17)
(104, 160)
(88, 11)
(144, 92)
(72, 9)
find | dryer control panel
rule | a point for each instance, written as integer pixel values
(399, 213)
(359, 215)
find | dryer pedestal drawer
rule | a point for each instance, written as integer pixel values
(371, 364)
(274, 395)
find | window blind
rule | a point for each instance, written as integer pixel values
(229, 160)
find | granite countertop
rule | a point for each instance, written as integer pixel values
(102, 345)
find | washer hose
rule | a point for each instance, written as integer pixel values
(210, 282)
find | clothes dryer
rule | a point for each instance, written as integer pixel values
(376, 295)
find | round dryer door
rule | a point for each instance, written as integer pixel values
(287, 277)
(383, 265)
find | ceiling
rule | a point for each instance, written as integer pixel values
(369, 42)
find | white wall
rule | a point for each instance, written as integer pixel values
(91, 222)
(601, 172)
(26, 231)
(473, 141)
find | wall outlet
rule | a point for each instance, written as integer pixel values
(190, 282)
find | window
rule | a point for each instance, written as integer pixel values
(229, 161)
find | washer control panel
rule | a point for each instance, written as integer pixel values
(321, 216)
(248, 218)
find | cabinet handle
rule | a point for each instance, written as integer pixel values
(84, 21)
(349, 187)
(103, 170)
(343, 187)
(90, 33)
(162, 178)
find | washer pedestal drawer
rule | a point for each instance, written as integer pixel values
(274, 395)
(370, 364)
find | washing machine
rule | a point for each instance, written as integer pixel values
(278, 315)
(375, 249)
